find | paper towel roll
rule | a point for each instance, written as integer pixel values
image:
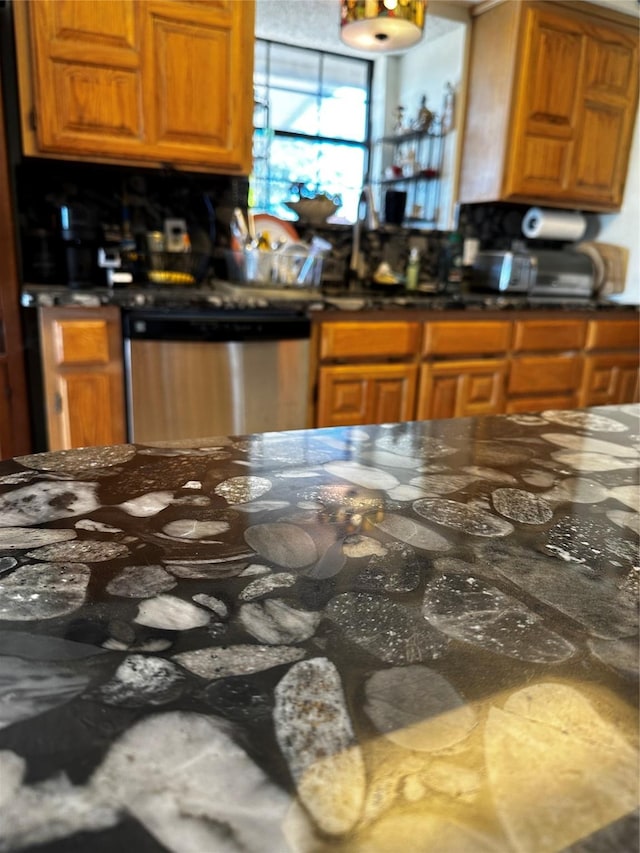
(540, 224)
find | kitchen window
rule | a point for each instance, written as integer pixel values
(311, 127)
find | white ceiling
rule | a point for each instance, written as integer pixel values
(316, 23)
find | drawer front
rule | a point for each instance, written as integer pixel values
(613, 334)
(530, 375)
(466, 338)
(368, 340)
(549, 335)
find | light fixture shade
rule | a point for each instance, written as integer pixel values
(382, 26)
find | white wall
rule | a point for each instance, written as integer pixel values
(623, 228)
(426, 70)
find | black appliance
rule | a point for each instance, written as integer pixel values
(77, 244)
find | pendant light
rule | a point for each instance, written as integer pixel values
(382, 26)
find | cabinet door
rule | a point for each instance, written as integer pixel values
(610, 379)
(83, 376)
(607, 108)
(87, 76)
(147, 79)
(198, 81)
(362, 394)
(546, 105)
(453, 389)
(574, 112)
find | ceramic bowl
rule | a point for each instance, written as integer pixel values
(313, 210)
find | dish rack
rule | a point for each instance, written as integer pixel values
(176, 267)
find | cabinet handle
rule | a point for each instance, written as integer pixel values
(57, 403)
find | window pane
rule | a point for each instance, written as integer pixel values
(260, 55)
(344, 116)
(294, 112)
(294, 69)
(327, 167)
(338, 71)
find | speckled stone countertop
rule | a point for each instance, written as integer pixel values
(411, 637)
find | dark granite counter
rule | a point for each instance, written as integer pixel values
(367, 304)
(418, 637)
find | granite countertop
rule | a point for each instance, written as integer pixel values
(418, 636)
(319, 303)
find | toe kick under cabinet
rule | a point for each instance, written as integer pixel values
(420, 369)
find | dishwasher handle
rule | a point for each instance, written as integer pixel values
(244, 327)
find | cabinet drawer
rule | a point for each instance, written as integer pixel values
(466, 338)
(548, 335)
(531, 375)
(368, 340)
(612, 334)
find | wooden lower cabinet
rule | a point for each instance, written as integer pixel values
(454, 389)
(610, 379)
(83, 376)
(382, 371)
(538, 378)
(366, 394)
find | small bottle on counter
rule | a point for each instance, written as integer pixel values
(413, 269)
(450, 268)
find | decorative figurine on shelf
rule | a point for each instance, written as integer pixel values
(448, 108)
(425, 116)
(398, 124)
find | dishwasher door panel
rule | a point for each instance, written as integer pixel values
(189, 390)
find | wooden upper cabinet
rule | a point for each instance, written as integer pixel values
(160, 81)
(553, 96)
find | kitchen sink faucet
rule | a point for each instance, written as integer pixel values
(366, 213)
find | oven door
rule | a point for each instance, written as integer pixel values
(193, 375)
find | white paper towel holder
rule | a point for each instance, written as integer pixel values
(548, 224)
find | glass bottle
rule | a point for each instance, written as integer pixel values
(413, 269)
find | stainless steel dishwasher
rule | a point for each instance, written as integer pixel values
(194, 373)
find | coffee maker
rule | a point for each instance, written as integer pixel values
(77, 244)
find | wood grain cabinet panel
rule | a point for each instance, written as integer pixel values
(444, 338)
(362, 394)
(610, 379)
(548, 335)
(350, 340)
(5, 421)
(453, 389)
(83, 376)
(159, 81)
(540, 403)
(81, 341)
(552, 101)
(613, 335)
(544, 374)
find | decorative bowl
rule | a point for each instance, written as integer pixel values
(314, 210)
